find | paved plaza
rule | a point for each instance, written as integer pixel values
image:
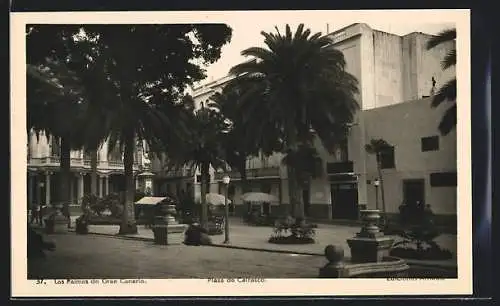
(103, 254)
(93, 256)
(255, 237)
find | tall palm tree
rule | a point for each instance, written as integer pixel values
(241, 141)
(448, 92)
(377, 147)
(307, 93)
(201, 149)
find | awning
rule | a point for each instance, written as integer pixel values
(150, 200)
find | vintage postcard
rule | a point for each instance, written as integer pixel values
(241, 153)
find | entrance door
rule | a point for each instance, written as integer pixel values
(414, 192)
(344, 201)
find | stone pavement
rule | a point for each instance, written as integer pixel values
(93, 256)
(255, 238)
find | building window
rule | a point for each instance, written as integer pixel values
(387, 158)
(443, 179)
(430, 143)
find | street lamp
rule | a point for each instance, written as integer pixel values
(376, 183)
(226, 180)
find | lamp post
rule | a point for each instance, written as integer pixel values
(226, 180)
(376, 183)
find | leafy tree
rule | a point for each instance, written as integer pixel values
(52, 108)
(448, 92)
(143, 72)
(378, 147)
(306, 94)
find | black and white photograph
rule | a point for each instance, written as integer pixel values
(235, 156)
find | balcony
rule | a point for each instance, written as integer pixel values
(251, 173)
(77, 162)
(340, 167)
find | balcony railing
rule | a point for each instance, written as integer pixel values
(340, 167)
(78, 162)
(251, 173)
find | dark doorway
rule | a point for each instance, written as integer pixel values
(414, 192)
(266, 208)
(306, 198)
(344, 201)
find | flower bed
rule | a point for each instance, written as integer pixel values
(292, 231)
(291, 240)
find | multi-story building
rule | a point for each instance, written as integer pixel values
(396, 75)
(44, 166)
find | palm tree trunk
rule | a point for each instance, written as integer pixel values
(244, 180)
(381, 179)
(65, 164)
(128, 225)
(294, 193)
(205, 177)
(93, 168)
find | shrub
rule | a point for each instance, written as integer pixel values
(90, 203)
(421, 236)
(290, 230)
(112, 202)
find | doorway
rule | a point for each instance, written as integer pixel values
(344, 201)
(414, 192)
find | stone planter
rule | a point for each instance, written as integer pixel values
(337, 267)
(370, 244)
(370, 218)
(160, 230)
(82, 226)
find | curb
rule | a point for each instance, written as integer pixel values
(118, 236)
(219, 245)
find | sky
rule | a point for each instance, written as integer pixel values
(245, 36)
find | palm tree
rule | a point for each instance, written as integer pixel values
(377, 147)
(307, 165)
(241, 141)
(306, 93)
(448, 92)
(201, 149)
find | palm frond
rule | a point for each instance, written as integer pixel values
(449, 120)
(442, 37)
(448, 92)
(449, 60)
